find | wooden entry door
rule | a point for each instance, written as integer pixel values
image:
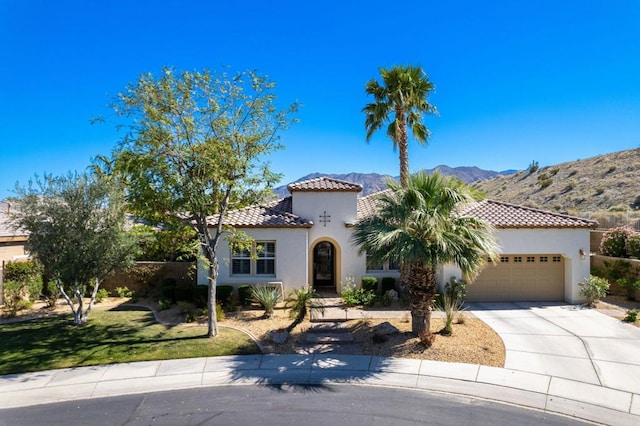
(324, 265)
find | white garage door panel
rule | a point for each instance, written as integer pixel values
(532, 278)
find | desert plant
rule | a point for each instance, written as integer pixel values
(554, 171)
(426, 339)
(52, 294)
(299, 301)
(267, 297)
(451, 306)
(544, 180)
(632, 315)
(594, 288)
(352, 296)
(456, 288)
(101, 294)
(533, 167)
(630, 285)
(614, 241)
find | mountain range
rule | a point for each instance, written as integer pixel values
(373, 182)
(604, 182)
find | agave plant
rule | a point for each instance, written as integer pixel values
(300, 301)
(267, 297)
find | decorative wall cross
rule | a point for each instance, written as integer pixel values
(324, 218)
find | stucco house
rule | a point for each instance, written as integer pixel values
(305, 239)
(12, 240)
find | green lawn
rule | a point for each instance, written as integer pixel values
(109, 337)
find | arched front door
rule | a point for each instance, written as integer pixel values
(324, 265)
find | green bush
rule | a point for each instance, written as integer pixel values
(52, 294)
(370, 284)
(358, 296)
(168, 289)
(633, 245)
(456, 288)
(632, 315)
(388, 283)
(244, 294)
(594, 288)
(614, 242)
(224, 293)
(124, 292)
(184, 292)
(164, 304)
(101, 294)
(451, 306)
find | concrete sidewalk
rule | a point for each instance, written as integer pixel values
(553, 394)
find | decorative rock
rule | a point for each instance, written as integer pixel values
(385, 329)
(278, 336)
(393, 294)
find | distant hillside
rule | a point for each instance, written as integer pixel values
(373, 182)
(605, 182)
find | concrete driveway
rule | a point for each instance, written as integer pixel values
(567, 341)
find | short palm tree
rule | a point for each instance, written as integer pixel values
(403, 93)
(420, 225)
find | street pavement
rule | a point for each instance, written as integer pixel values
(560, 359)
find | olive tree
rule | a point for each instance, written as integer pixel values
(76, 225)
(195, 147)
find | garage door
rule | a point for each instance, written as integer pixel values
(513, 278)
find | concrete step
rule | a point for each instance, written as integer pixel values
(328, 314)
(333, 348)
(329, 337)
(329, 327)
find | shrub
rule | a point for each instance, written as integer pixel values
(267, 297)
(614, 241)
(370, 284)
(201, 295)
(101, 294)
(388, 283)
(299, 301)
(533, 167)
(189, 310)
(594, 288)
(13, 301)
(632, 315)
(184, 292)
(52, 294)
(244, 294)
(223, 293)
(168, 289)
(451, 306)
(164, 304)
(456, 288)
(124, 292)
(633, 245)
(544, 180)
(426, 339)
(358, 296)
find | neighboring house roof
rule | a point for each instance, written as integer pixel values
(324, 184)
(505, 215)
(276, 214)
(7, 231)
(498, 214)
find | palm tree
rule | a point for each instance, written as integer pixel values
(403, 92)
(420, 225)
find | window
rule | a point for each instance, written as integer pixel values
(504, 259)
(544, 259)
(517, 259)
(260, 260)
(556, 259)
(266, 262)
(391, 265)
(531, 259)
(241, 262)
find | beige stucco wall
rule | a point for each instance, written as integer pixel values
(11, 251)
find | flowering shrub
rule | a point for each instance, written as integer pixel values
(633, 245)
(614, 242)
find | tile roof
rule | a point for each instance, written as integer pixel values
(499, 214)
(505, 215)
(324, 184)
(276, 214)
(7, 230)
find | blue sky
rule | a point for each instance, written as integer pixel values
(516, 81)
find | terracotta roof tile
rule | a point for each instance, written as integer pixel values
(504, 215)
(324, 184)
(276, 214)
(499, 214)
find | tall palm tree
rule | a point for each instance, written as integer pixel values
(420, 225)
(403, 93)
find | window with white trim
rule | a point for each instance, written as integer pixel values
(390, 265)
(260, 260)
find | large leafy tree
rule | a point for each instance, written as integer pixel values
(419, 224)
(76, 226)
(196, 147)
(402, 100)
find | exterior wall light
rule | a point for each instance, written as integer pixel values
(582, 254)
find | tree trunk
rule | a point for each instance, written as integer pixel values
(403, 147)
(212, 318)
(420, 280)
